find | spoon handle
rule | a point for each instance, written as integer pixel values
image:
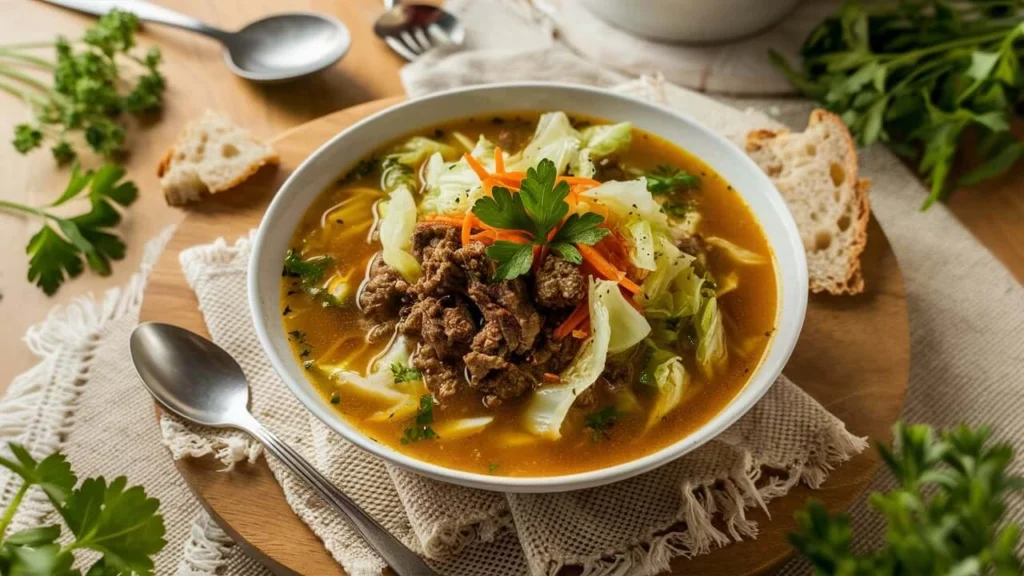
(145, 11)
(402, 560)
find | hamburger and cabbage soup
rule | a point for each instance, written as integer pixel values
(530, 294)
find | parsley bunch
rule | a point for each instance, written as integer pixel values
(945, 517)
(120, 523)
(88, 94)
(536, 209)
(57, 251)
(918, 75)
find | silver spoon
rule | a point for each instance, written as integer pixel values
(412, 29)
(197, 380)
(274, 49)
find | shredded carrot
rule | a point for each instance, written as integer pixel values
(580, 334)
(476, 166)
(499, 160)
(552, 378)
(444, 219)
(629, 285)
(601, 265)
(578, 316)
(517, 236)
(467, 228)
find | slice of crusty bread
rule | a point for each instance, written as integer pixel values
(211, 155)
(816, 172)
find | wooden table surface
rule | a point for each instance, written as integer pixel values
(197, 79)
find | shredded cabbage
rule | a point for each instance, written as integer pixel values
(711, 349)
(628, 326)
(396, 230)
(630, 200)
(670, 380)
(657, 288)
(608, 139)
(554, 139)
(642, 254)
(549, 405)
(416, 149)
(736, 253)
(453, 187)
(461, 428)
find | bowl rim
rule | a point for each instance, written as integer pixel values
(738, 406)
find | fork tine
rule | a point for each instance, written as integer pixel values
(438, 35)
(410, 42)
(421, 36)
(400, 48)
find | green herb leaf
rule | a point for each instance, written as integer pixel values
(583, 229)
(667, 179)
(404, 373)
(52, 260)
(568, 252)
(117, 521)
(513, 259)
(543, 199)
(52, 474)
(504, 210)
(424, 418)
(944, 517)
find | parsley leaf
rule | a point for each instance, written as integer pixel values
(601, 422)
(56, 256)
(404, 373)
(537, 208)
(543, 199)
(120, 523)
(90, 89)
(667, 179)
(946, 516)
(309, 273)
(424, 418)
(504, 210)
(513, 259)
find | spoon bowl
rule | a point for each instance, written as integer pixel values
(189, 375)
(286, 46)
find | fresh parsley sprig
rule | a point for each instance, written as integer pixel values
(88, 92)
(945, 517)
(120, 523)
(57, 251)
(920, 74)
(666, 179)
(536, 209)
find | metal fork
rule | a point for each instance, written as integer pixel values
(412, 29)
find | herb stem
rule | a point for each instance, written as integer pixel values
(969, 41)
(11, 509)
(22, 208)
(28, 58)
(16, 74)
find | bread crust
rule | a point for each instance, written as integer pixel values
(853, 282)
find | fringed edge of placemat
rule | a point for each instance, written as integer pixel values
(724, 501)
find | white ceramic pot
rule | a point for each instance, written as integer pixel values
(323, 166)
(695, 21)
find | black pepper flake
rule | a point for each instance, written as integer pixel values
(308, 364)
(438, 133)
(339, 221)
(287, 310)
(497, 121)
(291, 293)
(305, 353)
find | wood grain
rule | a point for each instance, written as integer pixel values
(853, 357)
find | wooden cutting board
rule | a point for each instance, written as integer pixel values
(853, 356)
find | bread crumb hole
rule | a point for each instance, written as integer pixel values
(811, 150)
(837, 195)
(844, 223)
(180, 156)
(814, 216)
(228, 150)
(838, 173)
(822, 240)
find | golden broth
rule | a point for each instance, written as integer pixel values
(338, 224)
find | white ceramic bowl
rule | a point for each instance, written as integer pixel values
(325, 165)
(698, 21)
